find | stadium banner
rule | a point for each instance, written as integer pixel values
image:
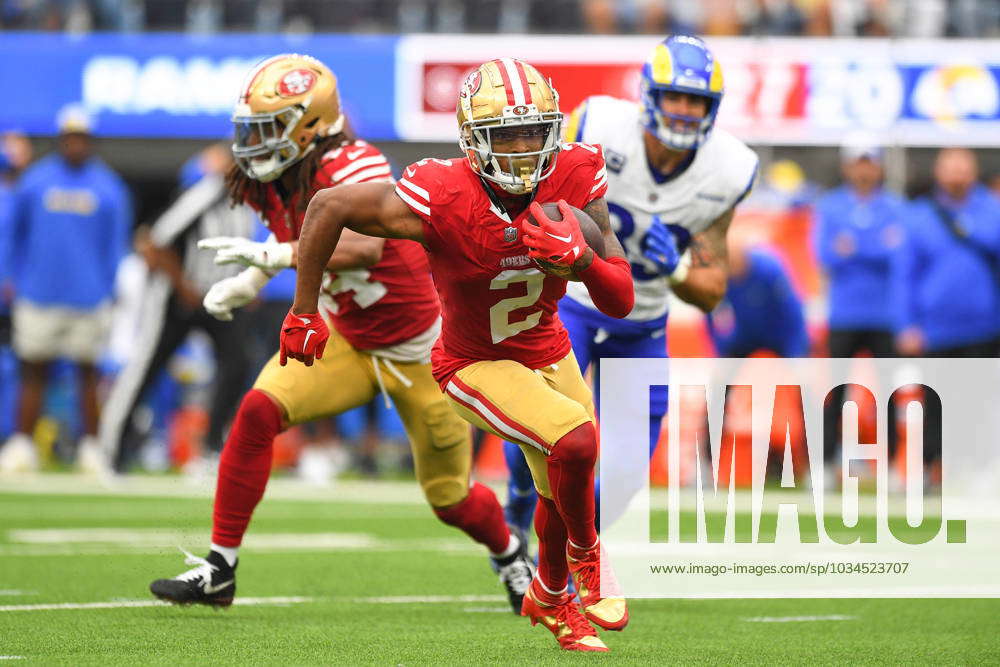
(778, 91)
(164, 85)
(763, 501)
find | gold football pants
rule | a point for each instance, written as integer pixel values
(346, 378)
(534, 408)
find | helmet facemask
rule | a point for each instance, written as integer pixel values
(264, 145)
(677, 131)
(525, 169)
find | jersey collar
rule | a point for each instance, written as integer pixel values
(496, 205)
(659, 177)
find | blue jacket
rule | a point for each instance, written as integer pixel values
(941, 284)
(760, 311)
(69, 229)
(6, 197)
(855, 240)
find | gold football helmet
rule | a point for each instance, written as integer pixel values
(495, 98)
(286, 102)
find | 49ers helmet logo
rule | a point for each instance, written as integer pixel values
(297, 82)
(520, 110)
(471, 84)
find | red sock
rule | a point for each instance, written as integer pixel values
(244, 467)
(552, 568)
(480, 516)
(571, 478)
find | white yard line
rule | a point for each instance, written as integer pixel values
(487, 610)
(96, 541)
(382, 492)
(799, 619)
(285, 600)
(126, 604)
(426, 599)
(16, 593)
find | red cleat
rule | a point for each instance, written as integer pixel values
(588, 569)
(564, 620)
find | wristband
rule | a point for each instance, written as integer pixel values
(680, 274)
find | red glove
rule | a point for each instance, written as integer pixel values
(303, 337)
(556, 241)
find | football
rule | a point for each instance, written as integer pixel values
(591, 232)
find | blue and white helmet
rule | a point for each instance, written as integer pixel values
(680, 63)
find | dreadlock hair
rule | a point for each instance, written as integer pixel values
(243, 189)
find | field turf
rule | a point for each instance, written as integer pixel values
(364, 574)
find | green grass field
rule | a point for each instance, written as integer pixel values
(364, 574)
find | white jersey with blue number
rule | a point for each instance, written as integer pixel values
(720, 175)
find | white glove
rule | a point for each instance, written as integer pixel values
(270, 255)
(234, 292)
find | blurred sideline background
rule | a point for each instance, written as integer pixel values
(157, 79)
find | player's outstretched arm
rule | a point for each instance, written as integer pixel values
(704, 283)
(355, 251)
(372, 209)
(608, 278)
(598, 212)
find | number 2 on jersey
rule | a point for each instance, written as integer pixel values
(501, 328)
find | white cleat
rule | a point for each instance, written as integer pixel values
(19, 455)
(91, 458)
(316, 466)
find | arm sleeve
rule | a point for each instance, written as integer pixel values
(823, 237)
(17, 231)
(610, 285)
(748, 188)
(359, 162)
(416, 187)
(597, 185)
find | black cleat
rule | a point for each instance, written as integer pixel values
(212, 582)
(516, 571)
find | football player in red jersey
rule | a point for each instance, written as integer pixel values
(378, 294)
(503, 359)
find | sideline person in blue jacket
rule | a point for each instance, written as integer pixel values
(71, 217)
(946, 287)
(760, 311)
(858, 229)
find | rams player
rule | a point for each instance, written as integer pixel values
(292, 140)
(503, 359)
(673, 185)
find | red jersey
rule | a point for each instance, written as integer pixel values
(380, 306)
(497, 304)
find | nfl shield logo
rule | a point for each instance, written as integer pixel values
(510, 234)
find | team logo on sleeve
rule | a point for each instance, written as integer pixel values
(296, 82)
(615, 161)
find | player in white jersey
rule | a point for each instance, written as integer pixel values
(673, 186)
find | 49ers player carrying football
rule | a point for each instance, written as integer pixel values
(290, 142)
(503, 359)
